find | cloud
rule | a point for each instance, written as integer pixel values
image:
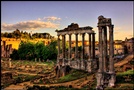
(52, 18)
(29, 25)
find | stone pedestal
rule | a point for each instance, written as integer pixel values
(112, 80)
(100, 81)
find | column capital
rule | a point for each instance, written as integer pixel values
(63, 35)
(89, 33)
(111, 26)
(76, 33)
(70, 34)
(99, 27)
(58, 35)
(83, 33)
(93, 33)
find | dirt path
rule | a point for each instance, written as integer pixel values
(124, 61)
(75, 83)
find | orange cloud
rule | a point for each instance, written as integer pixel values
(29, 25)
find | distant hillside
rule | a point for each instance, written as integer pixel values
(20, 34)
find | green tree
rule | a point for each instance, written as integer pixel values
(39, 48)
(53, 50)
(15, 55)
(17, 33)
(26, 50)
(29, 51)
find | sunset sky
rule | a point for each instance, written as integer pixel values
(47, 16)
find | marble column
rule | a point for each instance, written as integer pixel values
(58, 48)
(69, 49)
(100, 76)
(89, 46)
(63, 48)
(111, 49)
(111, 55)
(100, 50)
(105, 48)
(93, 45)
(83, 51)
(76, 46)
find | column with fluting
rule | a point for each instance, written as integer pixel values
(100, 70)
(100, 50)
(111, 49)
(105, 48)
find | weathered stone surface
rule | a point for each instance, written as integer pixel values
(104, 71)
(67, 56)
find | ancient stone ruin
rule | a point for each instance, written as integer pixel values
(82, 63)
(106, 73)
(6, 50)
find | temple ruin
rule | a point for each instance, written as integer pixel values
(106, 73)
(82, 63)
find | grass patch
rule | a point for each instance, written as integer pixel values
(26, 62)
(73, 75)
(127, 72)
(125, 77)
(23, 78)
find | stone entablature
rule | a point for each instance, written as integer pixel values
(76, 30)
(104, 21)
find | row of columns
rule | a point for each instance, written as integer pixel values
(91, 46)
(104, 66)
